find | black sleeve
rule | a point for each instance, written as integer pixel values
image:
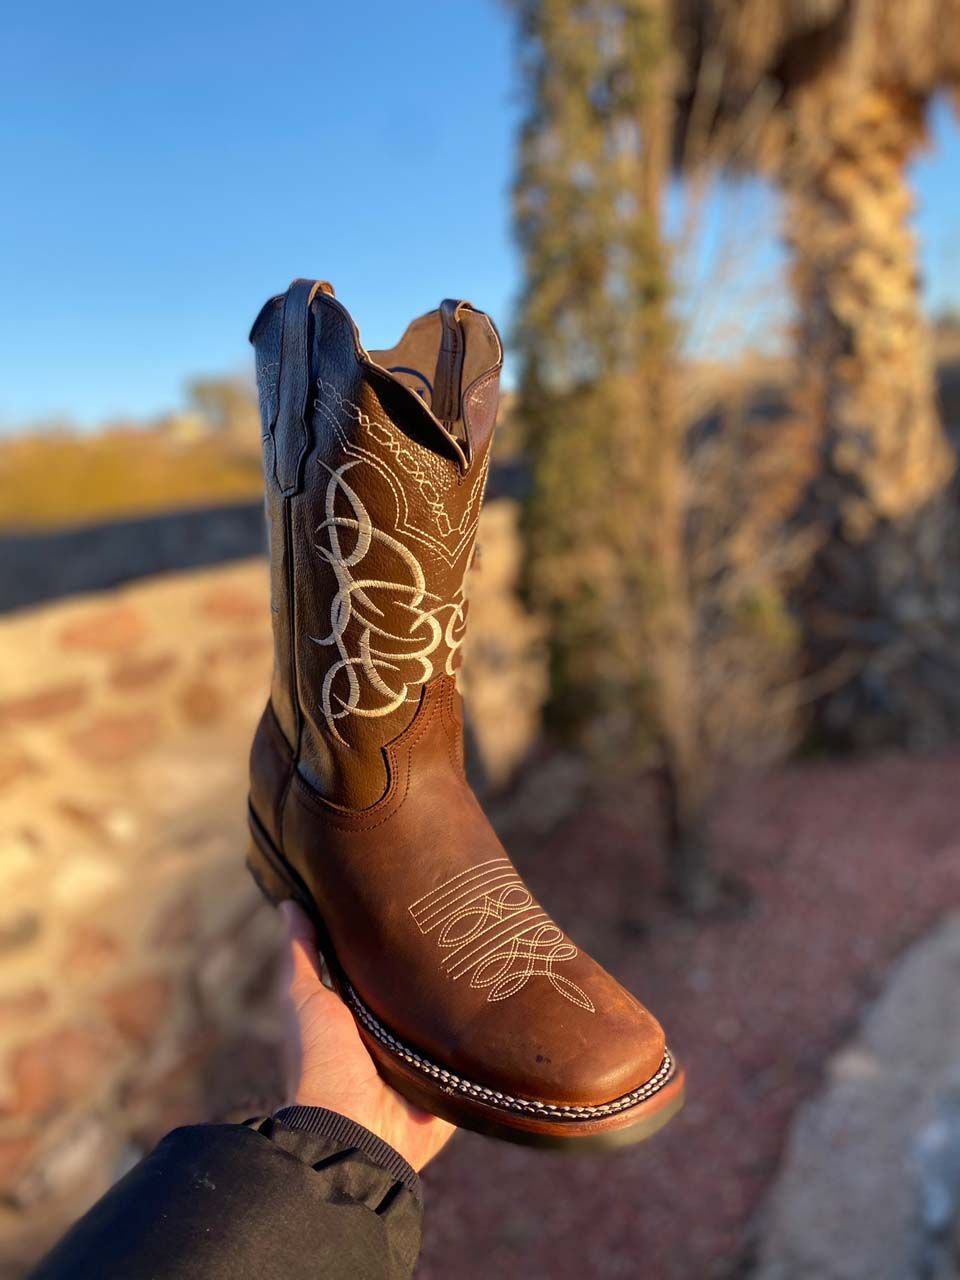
(305, 1194)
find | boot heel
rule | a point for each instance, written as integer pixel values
(271, 882)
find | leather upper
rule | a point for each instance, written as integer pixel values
(373, 506)
(357, 767)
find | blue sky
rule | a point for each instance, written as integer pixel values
(170, 166)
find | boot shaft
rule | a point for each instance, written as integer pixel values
(375, 465)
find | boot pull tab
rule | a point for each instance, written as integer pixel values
(449, 372)
(291, 437)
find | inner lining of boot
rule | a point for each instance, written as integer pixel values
(419, 427)
(413, 361)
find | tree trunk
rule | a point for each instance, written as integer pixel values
(690, 880)
(880, 589)
(693, 883)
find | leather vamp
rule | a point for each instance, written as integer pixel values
(475, 964)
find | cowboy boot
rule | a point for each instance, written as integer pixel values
(471, 1001)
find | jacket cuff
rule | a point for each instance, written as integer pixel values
(347, 1133)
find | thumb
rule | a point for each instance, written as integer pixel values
(304, 963)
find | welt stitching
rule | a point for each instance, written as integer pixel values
(505, 1101)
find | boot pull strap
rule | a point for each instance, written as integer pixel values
(291, 437)
(449, 371)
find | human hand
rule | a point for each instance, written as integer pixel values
(328, 1065)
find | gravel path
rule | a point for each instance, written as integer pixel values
(847, 864)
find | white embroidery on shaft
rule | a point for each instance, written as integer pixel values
(391, 664)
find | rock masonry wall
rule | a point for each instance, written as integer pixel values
(136, 959)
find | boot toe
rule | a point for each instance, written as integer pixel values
(544, 1049)
(622, 1049)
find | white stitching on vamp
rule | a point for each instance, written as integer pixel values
(489, 925)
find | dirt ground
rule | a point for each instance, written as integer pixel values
(846, 863)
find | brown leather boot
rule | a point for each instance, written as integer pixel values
(471, 1000)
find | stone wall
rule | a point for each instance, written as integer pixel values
(48, 564)
(134, 954)
(94, 557)
(136, 959)
(869, 1188)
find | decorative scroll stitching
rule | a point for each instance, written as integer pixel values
(490, 927)
(332, 404)
(379, 653)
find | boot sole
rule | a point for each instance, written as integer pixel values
(623, 1121)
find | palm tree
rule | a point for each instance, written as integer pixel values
(829, 98)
